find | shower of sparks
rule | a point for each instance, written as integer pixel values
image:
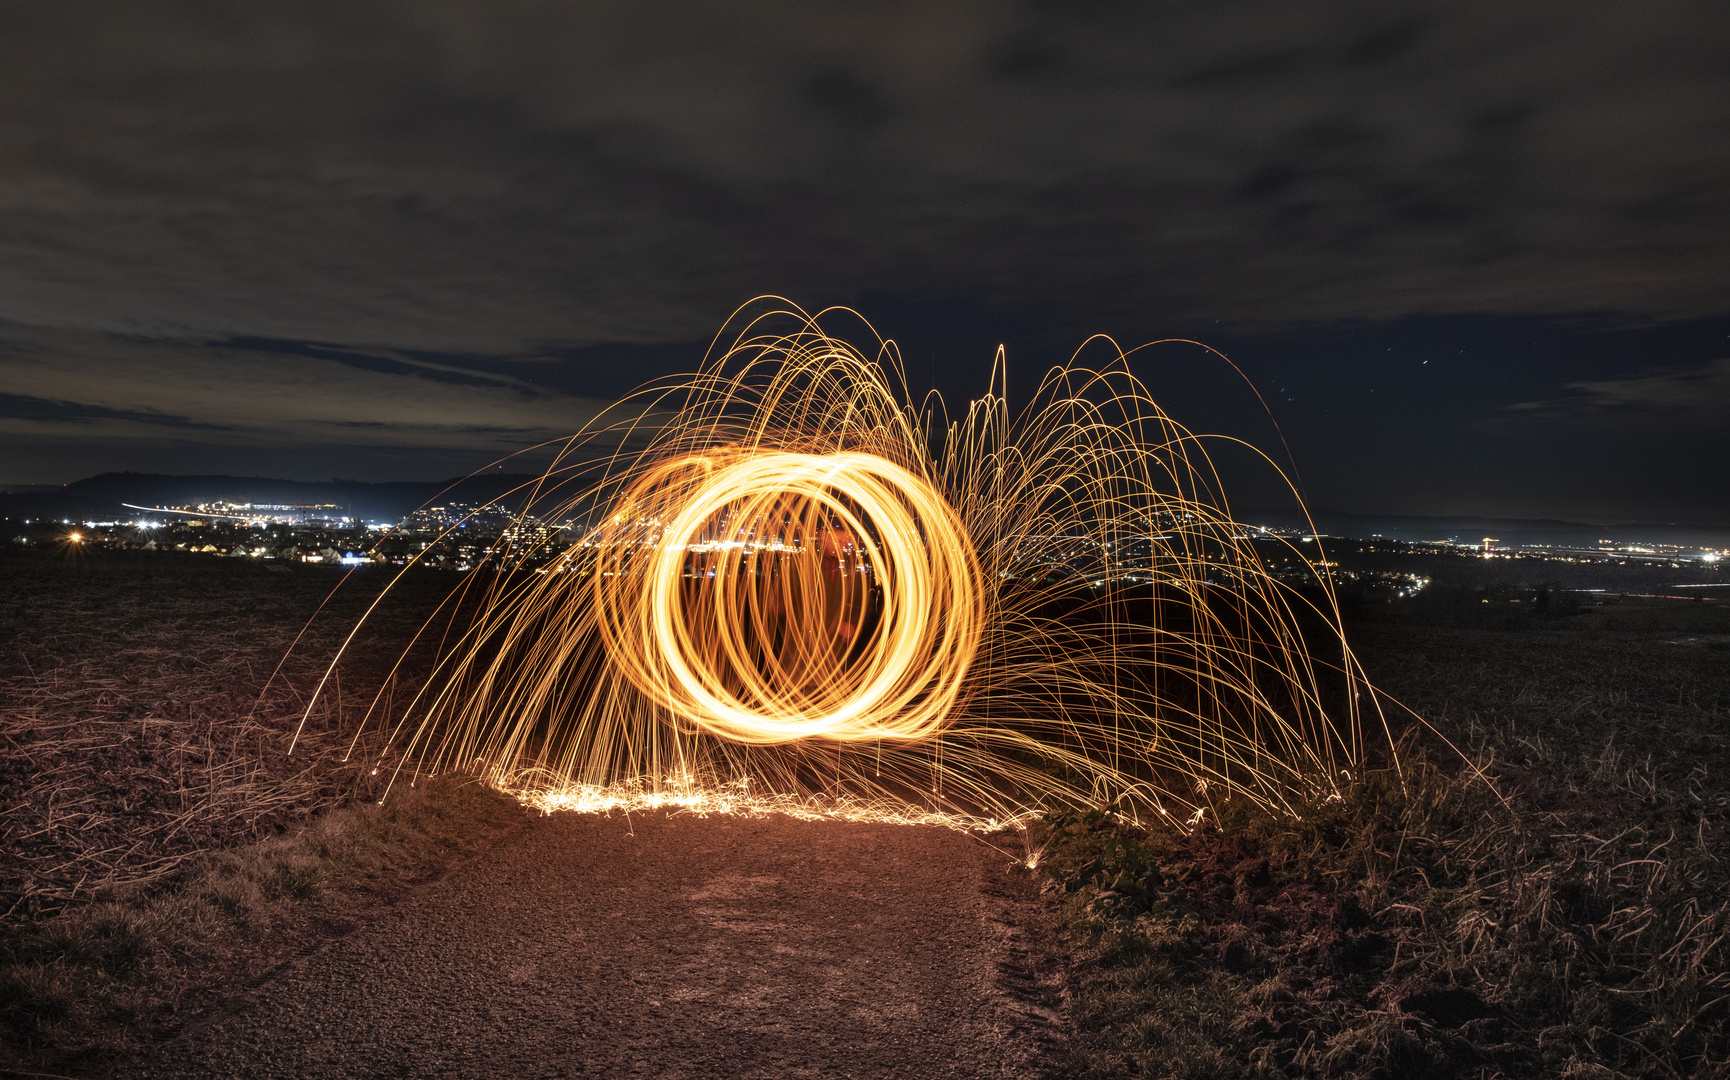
(810, 594)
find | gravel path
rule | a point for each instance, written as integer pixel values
(672, 946)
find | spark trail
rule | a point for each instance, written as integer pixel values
(808, 592)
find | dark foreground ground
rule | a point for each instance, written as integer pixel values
(1548, 896)
(181, 896)
(668, 946)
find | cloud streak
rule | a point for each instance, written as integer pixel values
(1677, 397)
(89, 388)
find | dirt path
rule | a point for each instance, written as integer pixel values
(673, 947)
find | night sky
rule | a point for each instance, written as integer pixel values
(1474, 255)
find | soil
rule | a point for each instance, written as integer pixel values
(672, 946)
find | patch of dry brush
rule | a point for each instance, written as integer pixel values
(159, 835)
(1572, 920)
(105, 982)
(132, 731)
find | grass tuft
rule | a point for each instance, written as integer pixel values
(89, 983)
(161, 838)
(1570, 918)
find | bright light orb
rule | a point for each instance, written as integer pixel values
(770, 596)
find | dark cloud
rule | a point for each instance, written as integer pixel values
(505, 177)
(389, 363)
(1694, 396)
(77, 387)
(49, 410)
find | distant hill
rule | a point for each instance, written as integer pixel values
(102, 498)
(1507, 530)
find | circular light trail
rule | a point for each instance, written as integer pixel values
(779, 596)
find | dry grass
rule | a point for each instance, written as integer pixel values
(133, 729)
(1577, 924)
(151, 812)
(102, 982)
(100, 797)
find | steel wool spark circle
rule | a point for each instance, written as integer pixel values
(777, 596)
(785, 582)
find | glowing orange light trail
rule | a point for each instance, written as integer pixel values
(763, 642)
(807, 591)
